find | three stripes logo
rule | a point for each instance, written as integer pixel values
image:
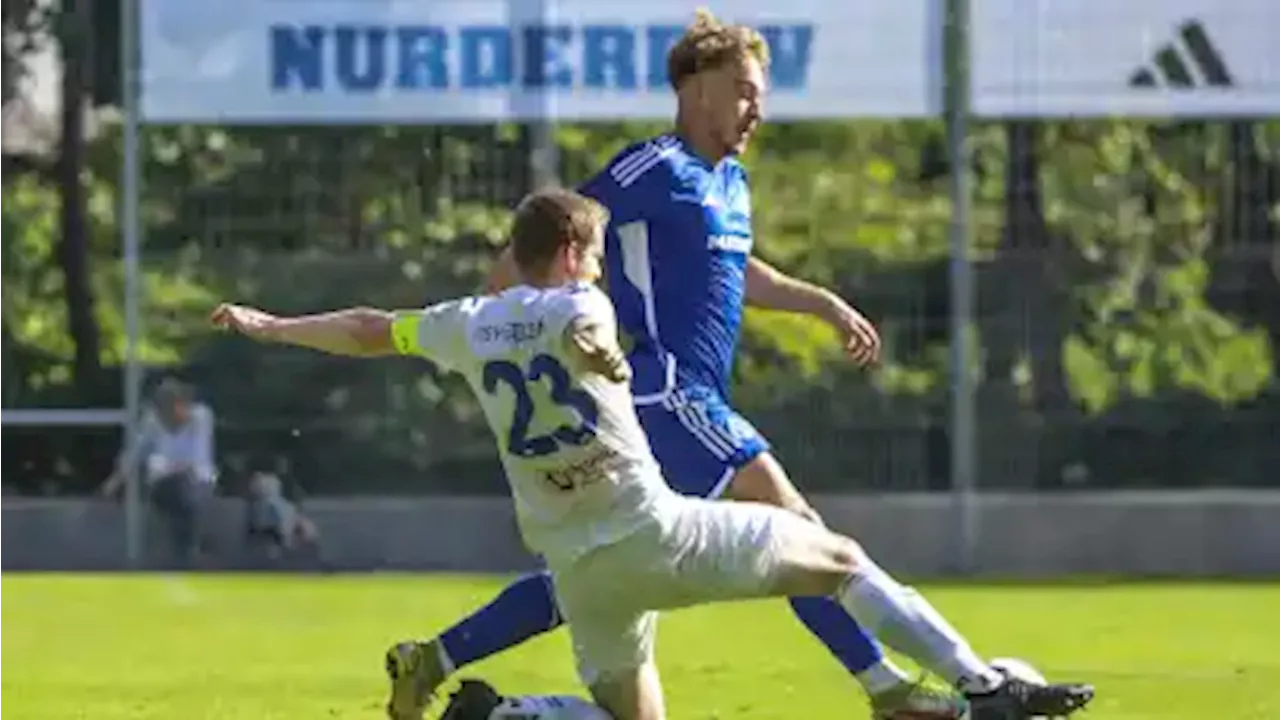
(1191, 45)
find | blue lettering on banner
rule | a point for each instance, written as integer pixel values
(422, 58)
(486, 58)
(368, 58)
(609, 57)
(661, 39)
(545, 63)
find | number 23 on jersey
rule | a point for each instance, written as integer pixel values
(542, 369)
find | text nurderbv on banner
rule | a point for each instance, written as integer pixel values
(1195, 58)
(408, 61)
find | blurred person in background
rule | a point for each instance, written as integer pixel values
(174, 455)
(276, 525)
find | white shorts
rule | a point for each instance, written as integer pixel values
(694, 551)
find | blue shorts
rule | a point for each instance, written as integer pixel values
(699, 440)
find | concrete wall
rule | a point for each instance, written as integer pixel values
(1216, 533)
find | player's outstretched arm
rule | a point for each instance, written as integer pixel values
(772, 289)
(355, 332)
(597, 349)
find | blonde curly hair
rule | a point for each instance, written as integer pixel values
(708, 44)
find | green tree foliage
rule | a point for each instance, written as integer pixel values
(302, 219)
(1098, 245)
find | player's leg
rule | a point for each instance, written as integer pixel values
(927, 638)
(906, 621)
(736, 550)
(706, 450)
(613, 639)
(524, 609)
(763, 479)
(722, 551)
(896, 614)
(634, 694)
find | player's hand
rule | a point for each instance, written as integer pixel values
(247, 321)
(861, 339)
(599, 355)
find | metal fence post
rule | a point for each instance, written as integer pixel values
(544, 157)
(963, 420)
(130, 182)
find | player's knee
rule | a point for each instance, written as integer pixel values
(821, 566)
(841, 558)
(631, 694)
(847, 556)
(764, 480)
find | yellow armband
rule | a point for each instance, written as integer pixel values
(404, 333)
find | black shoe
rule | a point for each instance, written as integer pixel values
(473, 700)
(1017, 699)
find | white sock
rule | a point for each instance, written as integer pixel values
(548, 707)
(906, 622)
(884, 675)
(442, 655)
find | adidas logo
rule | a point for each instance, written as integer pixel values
(1172, 59)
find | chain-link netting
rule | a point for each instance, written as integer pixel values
(1128, 287)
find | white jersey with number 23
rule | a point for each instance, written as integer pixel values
(578, 462)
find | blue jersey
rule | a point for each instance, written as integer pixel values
(676, 253)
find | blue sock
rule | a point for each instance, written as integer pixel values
(837, 629)
(525, 609)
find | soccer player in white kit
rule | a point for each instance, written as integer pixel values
(544, 361)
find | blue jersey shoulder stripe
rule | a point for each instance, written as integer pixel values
(640, 161)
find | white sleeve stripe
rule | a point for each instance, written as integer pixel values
(646, 167)
(626, 164)
(634, 166)
(623, 166)
(626, 177)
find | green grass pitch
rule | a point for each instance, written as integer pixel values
(261, 647)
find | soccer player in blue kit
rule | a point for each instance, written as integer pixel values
(679, 270)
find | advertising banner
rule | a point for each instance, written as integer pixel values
(1188, 58)
(447, 61)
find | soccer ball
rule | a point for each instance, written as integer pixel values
(1020, 669)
